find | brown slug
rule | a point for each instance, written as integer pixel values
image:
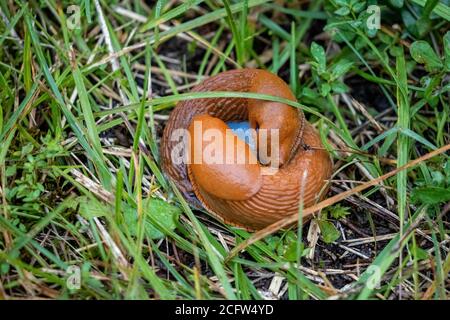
(240, 193)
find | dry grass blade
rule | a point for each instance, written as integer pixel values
(432, 288)
(328, 202)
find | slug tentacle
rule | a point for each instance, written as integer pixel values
(240, 192)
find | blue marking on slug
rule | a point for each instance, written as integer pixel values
(240, 128)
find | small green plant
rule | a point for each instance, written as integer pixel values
(436, 190)
(327, 77)
(26, 168)
(327, 229)
(287, 245)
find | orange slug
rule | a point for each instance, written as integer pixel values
(242, 193)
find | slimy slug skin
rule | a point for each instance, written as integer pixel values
(241, 193)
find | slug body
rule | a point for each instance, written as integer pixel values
(239, 193)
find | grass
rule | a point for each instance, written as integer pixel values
(86, 212)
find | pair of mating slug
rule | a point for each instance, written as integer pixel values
(240, 193)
